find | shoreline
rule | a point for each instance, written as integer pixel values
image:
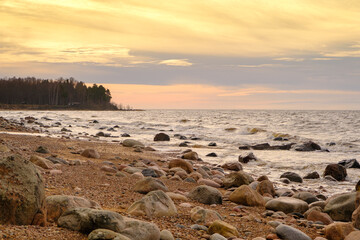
(116, 193)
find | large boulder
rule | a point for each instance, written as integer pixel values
(161, 137)
(287, 205)
(86, 220)
(182, 164)
(204, 216)
(338, 230)
(316, 216)
(22, 193)
(56, 205)
(153, 204)
(289, 233)
(41, 162)
(306, 147)
(90, 153)
(223, 229)
(294, 177)
(356, 214)
(206, 194)
(340, 207)
(354, 235)
(245, 195)
(149, 184)
(132, 143)
(236, 179)
(336, 171)
(247, 157)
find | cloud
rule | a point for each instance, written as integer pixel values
(259, 65)
(324, 59)
(289, 59)
(176, 62)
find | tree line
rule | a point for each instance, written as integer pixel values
(59, 92)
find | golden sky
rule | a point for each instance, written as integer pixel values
(173, 43)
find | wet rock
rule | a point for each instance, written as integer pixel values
(86, 220)
(90, 153)
(245, 158)
(349, 163)
(289, 233)
(132, 143)
(330, 178)
(204, 216)
(211, 154)
(307, 147)
(287, 205)
(245, 195)
(183, 144)
(212, 144)
(182, 164)
(41, 162)
(56, 205)
(336, 171)
(149, 184)
(338, 231)
(340, 207)
(306, 196)
(236, 179)
(153, 204)
(190, 156)
(125, 135)
(161, 137)
(223, 229)
(206, 194)
(262, 146)
(312, 175)
(22, 193)
(234, 166)
(166, 235)
(264, 187)
(293, 177)
(105, 234)
(100, 134)
(42, 149)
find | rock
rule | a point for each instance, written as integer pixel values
(234, 166)
(166, 235)
(100, 134)
(206, 194)
(289, 233)
(41, 162)
(195, 175)
(149, 184)
(140, 230)
(204, 216)
(148, 172)
(108, 169)
(212, 144)
(161, 137)
(105, 234)
(247, 158)
(306, 147)
(294, 177)
(190, 156)
(183, 144)
(217, 236)
(182, 164)
(336, 171)
(132, 143)
(355, 217)
(203, 172)
(153, 204)
(287, 205)
(57, 160)
(354, 235)
(338, 231)
(306, 196)
(312, 175)
(211, 154)
(245, 195)
(320, 204)
(330, 178)
(208, 182)
(86, 220)
(22, 192)
(341, 207)
(224, 229)
(4, 148)
(125, 135)
(42, 149)
(90, 153)
(177, 196)
(284, 192)
(316, 215)
(261, 146)
(56, 205)
(236, 179)
(350, 163)
(265, 186)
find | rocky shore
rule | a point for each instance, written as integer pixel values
(68, 189)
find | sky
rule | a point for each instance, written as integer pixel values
(198, 54)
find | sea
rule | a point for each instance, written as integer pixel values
(337, 132)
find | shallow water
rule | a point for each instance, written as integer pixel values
(341, 128)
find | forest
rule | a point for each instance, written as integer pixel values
(59, 93)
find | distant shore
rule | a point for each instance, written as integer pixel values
(61, 107)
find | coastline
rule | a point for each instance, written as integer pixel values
(116, 193)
